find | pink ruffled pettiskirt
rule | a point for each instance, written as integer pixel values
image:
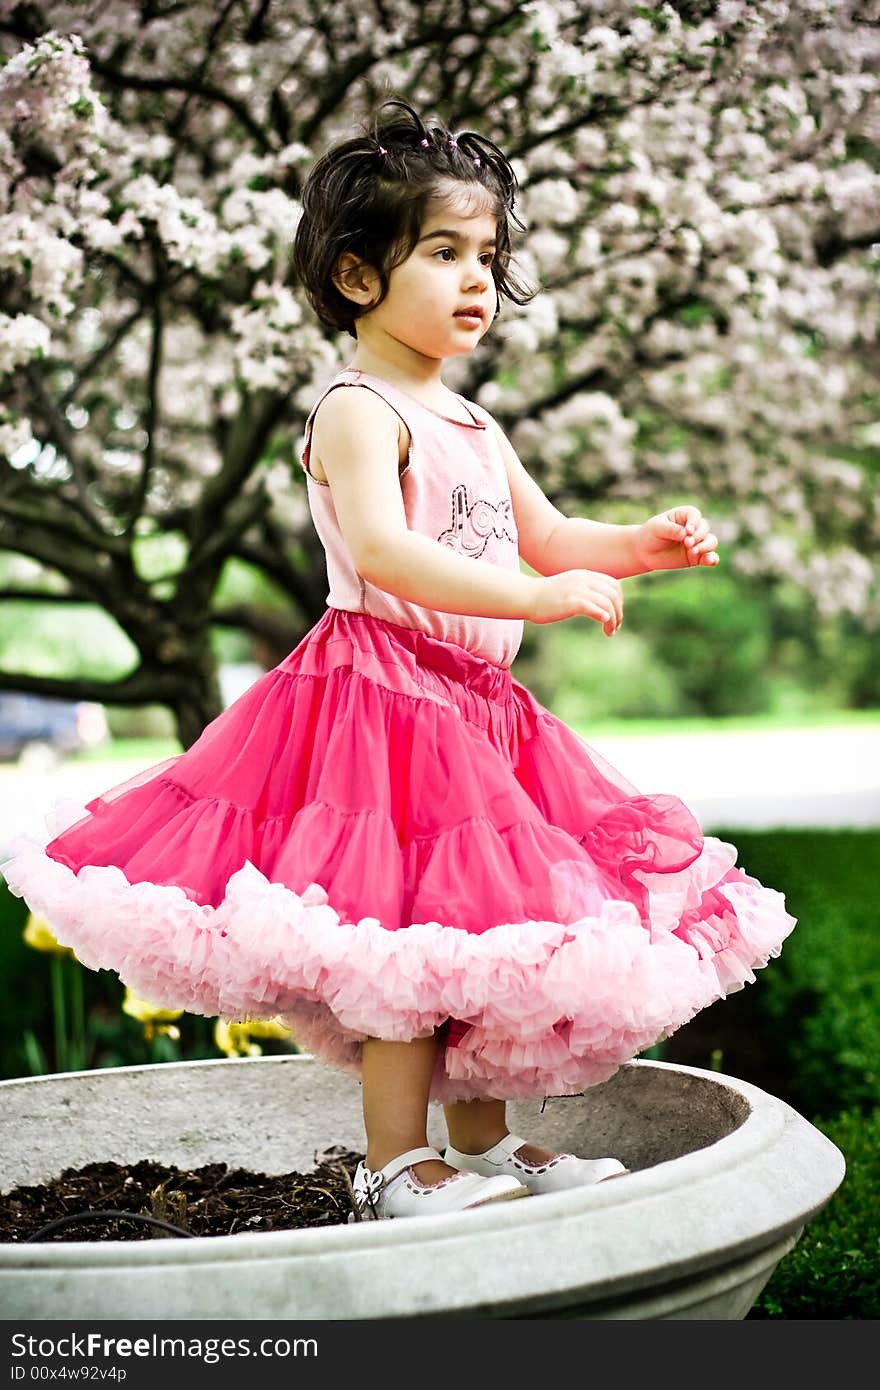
(386, 834)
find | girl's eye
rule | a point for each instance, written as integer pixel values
(447, 254)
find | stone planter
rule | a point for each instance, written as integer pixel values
(724, 1178)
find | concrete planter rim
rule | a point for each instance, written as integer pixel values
(760, 1127)
(756, 1186)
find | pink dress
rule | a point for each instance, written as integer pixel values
(387, 834)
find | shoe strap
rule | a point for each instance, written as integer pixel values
(504, 1149)
(369, 1182)
(397, 1165)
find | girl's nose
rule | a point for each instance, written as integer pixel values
(477, 277)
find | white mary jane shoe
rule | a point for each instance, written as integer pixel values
(558, 1174)
(395, 1191)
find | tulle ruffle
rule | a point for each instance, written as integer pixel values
(387, 833)
(551, 1009)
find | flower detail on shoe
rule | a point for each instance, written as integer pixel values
(366, 1188)
(394, 1191)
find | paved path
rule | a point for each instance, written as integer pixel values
(762, 779)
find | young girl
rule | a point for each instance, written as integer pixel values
(387, 841)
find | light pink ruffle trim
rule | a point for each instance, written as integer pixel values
(552, 1008)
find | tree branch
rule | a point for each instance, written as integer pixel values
(91, 366)
(62, 436)
(277, 629)
(275, 565)
(147, 685)
(139, 493)
(132, 81)
(832, 246)
(44, 596)
(49, 513)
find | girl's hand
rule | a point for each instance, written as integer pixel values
(579, 593)
(676, 539)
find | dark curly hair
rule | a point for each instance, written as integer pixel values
(368, 195)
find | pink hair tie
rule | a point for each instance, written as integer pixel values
(476, 161)
(380, 150)
(453, 143)
(424, 144)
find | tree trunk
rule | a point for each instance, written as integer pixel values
(199, 699)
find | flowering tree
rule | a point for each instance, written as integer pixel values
(701, 186)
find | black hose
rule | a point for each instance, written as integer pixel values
(100, 1216)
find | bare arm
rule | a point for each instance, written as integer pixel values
(355, 437)
(551, 542)
(602, 545)
(554, 544)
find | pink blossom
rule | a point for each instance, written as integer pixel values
(699, 230)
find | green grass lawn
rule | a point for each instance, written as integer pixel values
(148, 750)
(819, 720)
(154, 749)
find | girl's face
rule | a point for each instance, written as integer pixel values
(442, 299)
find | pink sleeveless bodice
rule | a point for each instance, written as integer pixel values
(455, 490)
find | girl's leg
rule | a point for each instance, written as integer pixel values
(396, 1079)
(477, 1125)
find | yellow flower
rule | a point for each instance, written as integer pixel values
(38, 933)
(235, 1038)
(267, 1028)
(156, 1021)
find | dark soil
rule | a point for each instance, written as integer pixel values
(149, 1201)
(146, 1201)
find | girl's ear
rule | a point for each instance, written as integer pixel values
(355, 279)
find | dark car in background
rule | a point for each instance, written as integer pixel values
(40, 730)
